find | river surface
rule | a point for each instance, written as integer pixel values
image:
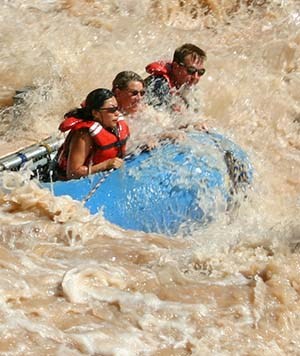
(74, 284)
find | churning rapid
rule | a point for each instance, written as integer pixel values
(74, 284)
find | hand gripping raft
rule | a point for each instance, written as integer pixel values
(169, 189)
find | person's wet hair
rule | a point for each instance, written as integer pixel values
(122, 79)
(94, 101)
(188, 49)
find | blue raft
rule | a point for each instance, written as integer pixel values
(169, 189)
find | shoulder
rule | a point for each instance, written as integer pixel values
(156, 81)
(82, 134)
(121, 118)
(158, 86)
(122, 123)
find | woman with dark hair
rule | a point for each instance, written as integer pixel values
(97, 138)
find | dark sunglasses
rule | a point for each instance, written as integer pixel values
(193, 70)
(136, 92)
(111, 110)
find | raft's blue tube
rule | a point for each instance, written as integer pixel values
(166, 190)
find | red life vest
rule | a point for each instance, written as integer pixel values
(161, 69)
(106, 144)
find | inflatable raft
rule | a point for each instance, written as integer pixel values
(168, 190)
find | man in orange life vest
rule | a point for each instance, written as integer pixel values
(168, 79)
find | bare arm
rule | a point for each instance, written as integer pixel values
(81, 147)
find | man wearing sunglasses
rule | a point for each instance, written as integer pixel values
(167, 79)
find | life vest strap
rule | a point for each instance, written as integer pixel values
(118, 143)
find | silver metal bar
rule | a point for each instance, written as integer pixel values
(33, 152)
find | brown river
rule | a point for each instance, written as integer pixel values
(72, 283)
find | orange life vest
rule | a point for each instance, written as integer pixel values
(161, 69)
(107, 144)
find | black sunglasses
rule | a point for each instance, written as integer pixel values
(193, 70)
(111, 110)
(136, 92)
